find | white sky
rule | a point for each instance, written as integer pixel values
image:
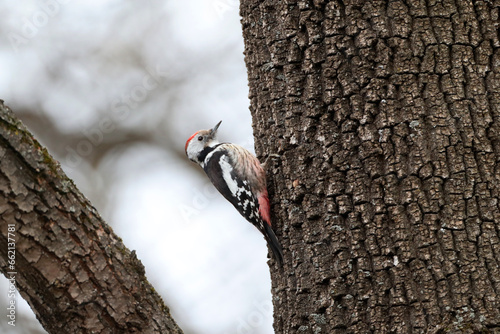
(70, 60)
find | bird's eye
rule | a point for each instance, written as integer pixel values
(200, 138)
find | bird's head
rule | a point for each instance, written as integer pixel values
(199, 141)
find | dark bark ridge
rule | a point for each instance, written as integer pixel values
(75, 273)
(386, 198)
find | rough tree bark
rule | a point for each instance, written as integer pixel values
(386, 115)
(75, 273)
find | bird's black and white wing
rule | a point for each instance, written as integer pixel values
(233, 186)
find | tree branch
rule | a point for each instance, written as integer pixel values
(75, 273)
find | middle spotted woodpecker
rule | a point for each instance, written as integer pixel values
(239, 177)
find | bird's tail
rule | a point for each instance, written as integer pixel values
(274, 244)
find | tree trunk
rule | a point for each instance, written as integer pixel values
(386, 115)
(75, 273)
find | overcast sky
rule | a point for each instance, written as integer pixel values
(114, 89)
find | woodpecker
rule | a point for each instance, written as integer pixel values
(239, 177)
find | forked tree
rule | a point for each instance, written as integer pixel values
(386, 117)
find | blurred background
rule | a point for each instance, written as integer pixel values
(113, 89)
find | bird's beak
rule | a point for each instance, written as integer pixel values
(213, 131)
